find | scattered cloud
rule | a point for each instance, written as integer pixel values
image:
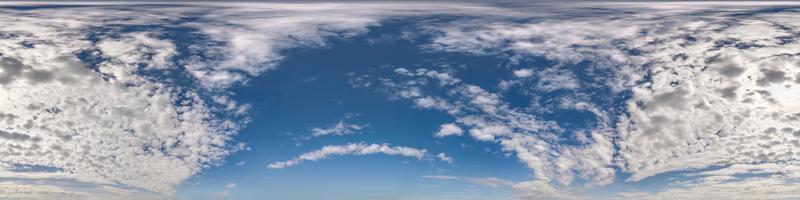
(227, 192)
(90, 93)
(552, 79)
(448, 130)
(341, 128)
(523, 73)
(488, 118)
(443, 157)
(706, 91)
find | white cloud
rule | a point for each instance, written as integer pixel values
(227, 192)
(341, 128)
(552, 79)
(255, 33)
(567, 41)
(487, 117)
(746, 181)
(104, 123)
(523, 73)
(448, 130)
(351, 149)
(431, 102)
(444, 157)
(83, 123)
(729, 112)
(138, 48)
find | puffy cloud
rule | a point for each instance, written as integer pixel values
(66, 115)
(351, 149)
(725, 111)
(448, 130)
(88, 125)
(523, 73)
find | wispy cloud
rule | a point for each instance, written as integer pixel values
(483, 181)
(352, 149)
(341, 128)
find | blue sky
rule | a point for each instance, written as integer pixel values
(399, 100)
(312, 89)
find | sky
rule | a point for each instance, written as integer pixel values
(394, 100)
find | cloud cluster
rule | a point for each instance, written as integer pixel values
(93, 93)
(99, 103)
(487, 117)
(711, 89)
(68, 116)
(722, 97)
(750, 181)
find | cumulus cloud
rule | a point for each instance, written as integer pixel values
(448, 130)
(351, 149)
(79, 120)
(522, 73)
(726, 112)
